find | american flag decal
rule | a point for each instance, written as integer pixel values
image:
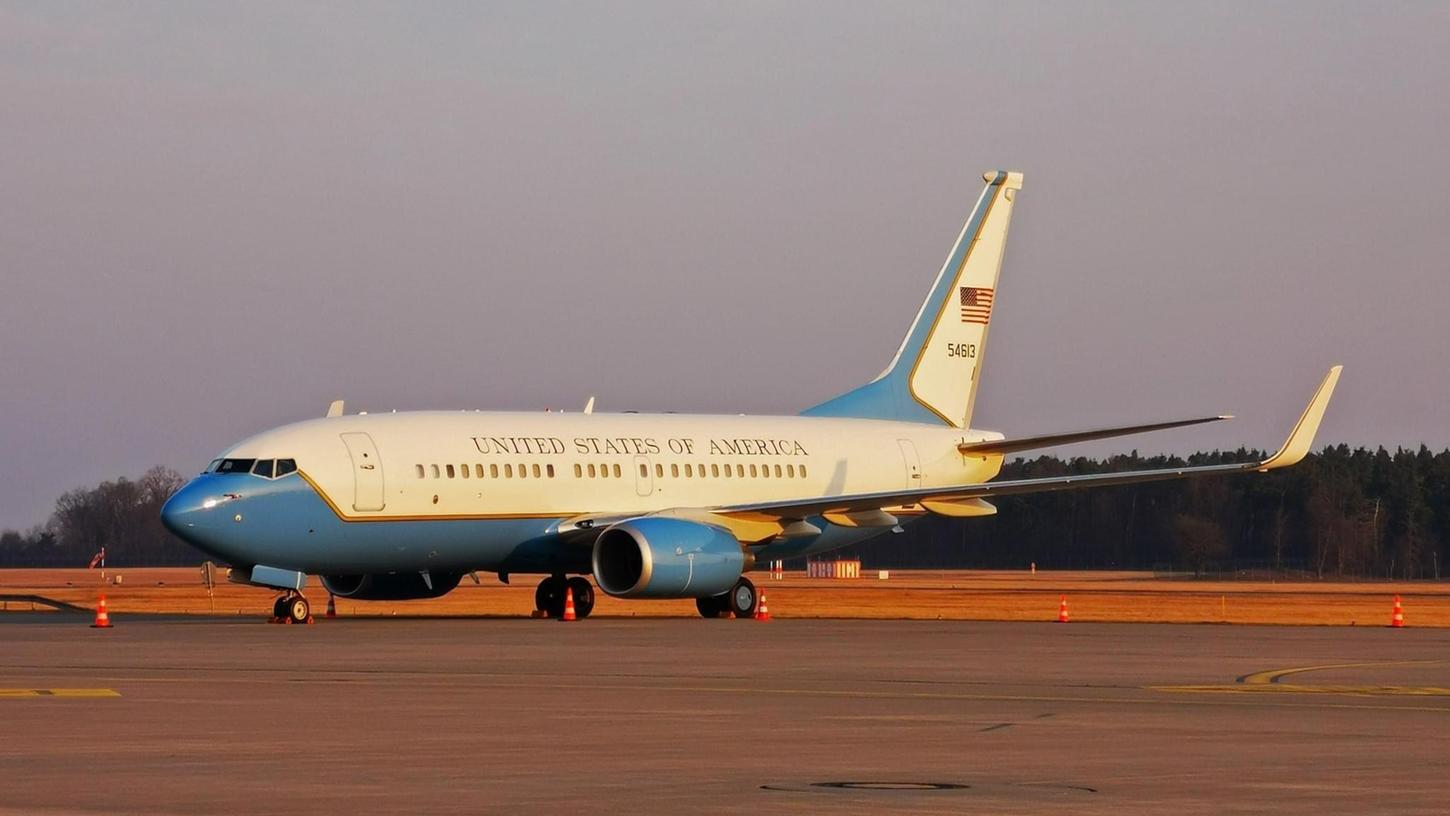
(976, 304)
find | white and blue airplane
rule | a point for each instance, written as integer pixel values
(403, 505)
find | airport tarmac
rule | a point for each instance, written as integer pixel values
(197, 715)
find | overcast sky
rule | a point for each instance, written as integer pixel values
(215, 218)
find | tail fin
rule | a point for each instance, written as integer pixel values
(933, 377)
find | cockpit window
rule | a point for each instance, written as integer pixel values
(235, 465)
(211, 468)
(286, 466)
(264, 467)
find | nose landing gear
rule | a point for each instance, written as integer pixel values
(291, 608)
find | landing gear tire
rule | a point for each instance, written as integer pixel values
(549, 597)
(279, 608)
(713, 606)
(742, 599)
(583, 596)
(298, 610)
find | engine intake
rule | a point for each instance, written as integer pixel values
(657, 557)
(395, 586)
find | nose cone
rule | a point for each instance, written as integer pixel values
(182, 511)
(195, 514)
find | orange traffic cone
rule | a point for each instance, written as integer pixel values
(103, 620)
(1397, 618)
(1062, 609)
(762, 612)
(569, 605)
(331, 607)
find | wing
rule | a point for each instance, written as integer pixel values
(1032, 442)
(943, 499)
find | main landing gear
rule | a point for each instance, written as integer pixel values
(549, 597)
(291, 608)
(740, 601)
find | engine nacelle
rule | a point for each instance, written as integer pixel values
(396, 586)
(659, 557)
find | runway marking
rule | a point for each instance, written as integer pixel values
(1268, 682)
(1275, 675)
(22, 693)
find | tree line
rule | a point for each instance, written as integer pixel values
(1340, 513)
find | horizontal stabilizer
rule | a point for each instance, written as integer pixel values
(1053, 440)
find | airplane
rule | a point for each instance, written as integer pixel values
(404, 505)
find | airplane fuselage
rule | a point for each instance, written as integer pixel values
(471, 490)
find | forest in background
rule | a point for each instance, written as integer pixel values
(1340, 513)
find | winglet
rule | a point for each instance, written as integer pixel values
(1302, 437)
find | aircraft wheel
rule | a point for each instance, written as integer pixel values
(298, 610)
(713, 606)
(743, 598)
(279, 608)
(583, 596)
(549, 597)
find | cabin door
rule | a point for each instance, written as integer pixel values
(367, 472)
(911, 461)
(644, 480)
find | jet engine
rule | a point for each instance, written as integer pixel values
(660, 557)
(390, 586)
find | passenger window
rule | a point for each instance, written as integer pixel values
(790, 471)
(536, 471)
(263, 468)
(689, 471)
(420, 471)
(727, 471)
(551, 471)
(523, 471)
(465, 471)
(478, 471)
(592, 474)
(777, 471)
(617, 473)
(752, 471)
(436, 473)
(803, 471)
(715, 471)
(675, 471)
(286, 466)
(659, 471)
(578, 470)
(508, 471)
(740, 471)
(450, 471)
(493, 471)
(644, 471)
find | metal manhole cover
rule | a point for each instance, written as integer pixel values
(898, 786)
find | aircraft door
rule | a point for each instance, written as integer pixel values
(367, 472)
(911, 461)
(644, 480)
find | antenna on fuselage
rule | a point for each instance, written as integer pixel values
(589, 406)
(335, 409)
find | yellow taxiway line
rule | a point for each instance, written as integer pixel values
(30, 693)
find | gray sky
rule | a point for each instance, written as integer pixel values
(214, 218)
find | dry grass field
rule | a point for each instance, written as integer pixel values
(911, 594)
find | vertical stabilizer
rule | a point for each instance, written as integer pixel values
(934, 376)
